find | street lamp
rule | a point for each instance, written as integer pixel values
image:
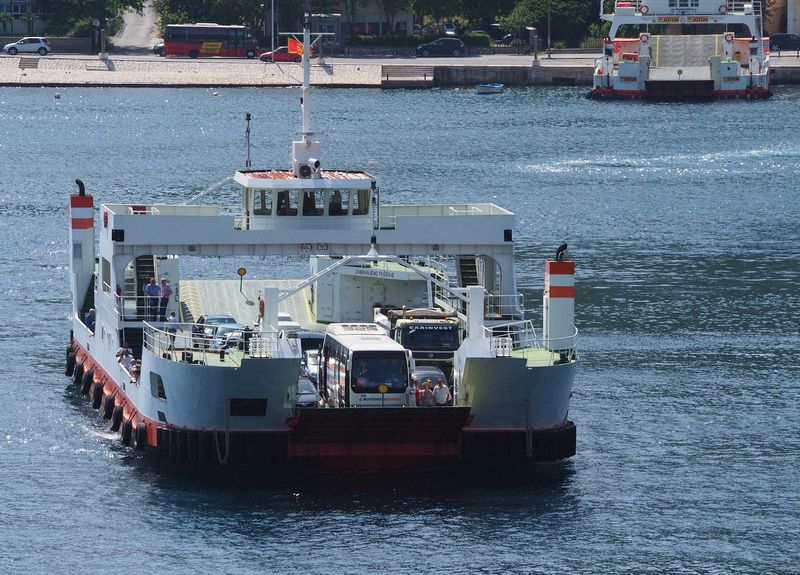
(548, 28)
(272, 30)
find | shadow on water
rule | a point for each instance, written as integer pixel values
(257, 487)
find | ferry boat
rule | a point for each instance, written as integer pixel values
(671, 59)
(193, 396)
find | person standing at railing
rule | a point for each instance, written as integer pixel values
(153, 293)
(165, 292)
(172, 328)
(90, 319)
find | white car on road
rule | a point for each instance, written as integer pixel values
(32, 44)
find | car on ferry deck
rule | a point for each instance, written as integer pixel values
(205, 325)
(306, 394)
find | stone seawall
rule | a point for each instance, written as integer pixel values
(139, 72)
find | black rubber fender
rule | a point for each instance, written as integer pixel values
(127, 430)
(107, 407)
(141, 435)
(97, 395)
(70, 364)
(86, 381)
(77, 373)
(116, 418)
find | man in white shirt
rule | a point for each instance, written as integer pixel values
(441, 394)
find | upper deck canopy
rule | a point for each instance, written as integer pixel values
(286, 180)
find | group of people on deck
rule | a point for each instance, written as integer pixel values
(157, 299)
(125, 359)
(428, 395)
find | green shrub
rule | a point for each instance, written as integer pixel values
(477, 40)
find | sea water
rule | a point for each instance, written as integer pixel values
(683, 222)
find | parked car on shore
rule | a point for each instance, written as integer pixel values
(442, 47)
(778, 42)
(30, 44)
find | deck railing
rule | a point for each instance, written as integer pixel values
(519, 339)
(191, 343)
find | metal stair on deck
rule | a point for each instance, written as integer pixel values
(144, 270)
(468, 271)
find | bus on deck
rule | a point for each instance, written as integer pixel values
(196, 40)
(363, 367)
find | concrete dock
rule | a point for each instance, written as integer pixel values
(133, 71)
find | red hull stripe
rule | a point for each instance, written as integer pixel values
(81, 201)
(82, 223)
(552, 267)
(561, 291)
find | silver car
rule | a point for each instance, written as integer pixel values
(32, 44)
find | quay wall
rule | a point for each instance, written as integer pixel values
(133, 72)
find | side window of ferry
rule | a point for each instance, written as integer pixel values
(262, 204)
(360, 202)
(106, 279)
(287, 203)
(338, 203)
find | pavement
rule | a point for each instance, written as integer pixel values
(147, 70)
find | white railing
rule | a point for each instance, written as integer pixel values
(191, 343)
(519, 339)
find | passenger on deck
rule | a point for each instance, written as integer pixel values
(126, 360)
(172, 328)
(135, 370)
(153, 293)
(165, 292)
(441, 394)
(411, 394)
(90, 319)
(427, 395)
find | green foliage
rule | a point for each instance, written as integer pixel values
(477, 40)
(599, 29)
(569, 19)
(372, 41)
(70, 18)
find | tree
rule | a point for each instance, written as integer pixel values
(482, 13)
(349, 8)
(5, 18)
(29, 18)
(569, 19)
(390, 10)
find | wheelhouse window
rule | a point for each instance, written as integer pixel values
(287, 203)
(262, 203)
(313, 202)
(360, 202)
(339, 202)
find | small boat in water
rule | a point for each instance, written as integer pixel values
(211, 386)
(495, 88)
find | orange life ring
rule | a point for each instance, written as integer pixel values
(644, 9)
(728, 37)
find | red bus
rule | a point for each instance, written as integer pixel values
(195, 40)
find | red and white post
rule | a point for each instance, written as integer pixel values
(81, 217)
(558, 316)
